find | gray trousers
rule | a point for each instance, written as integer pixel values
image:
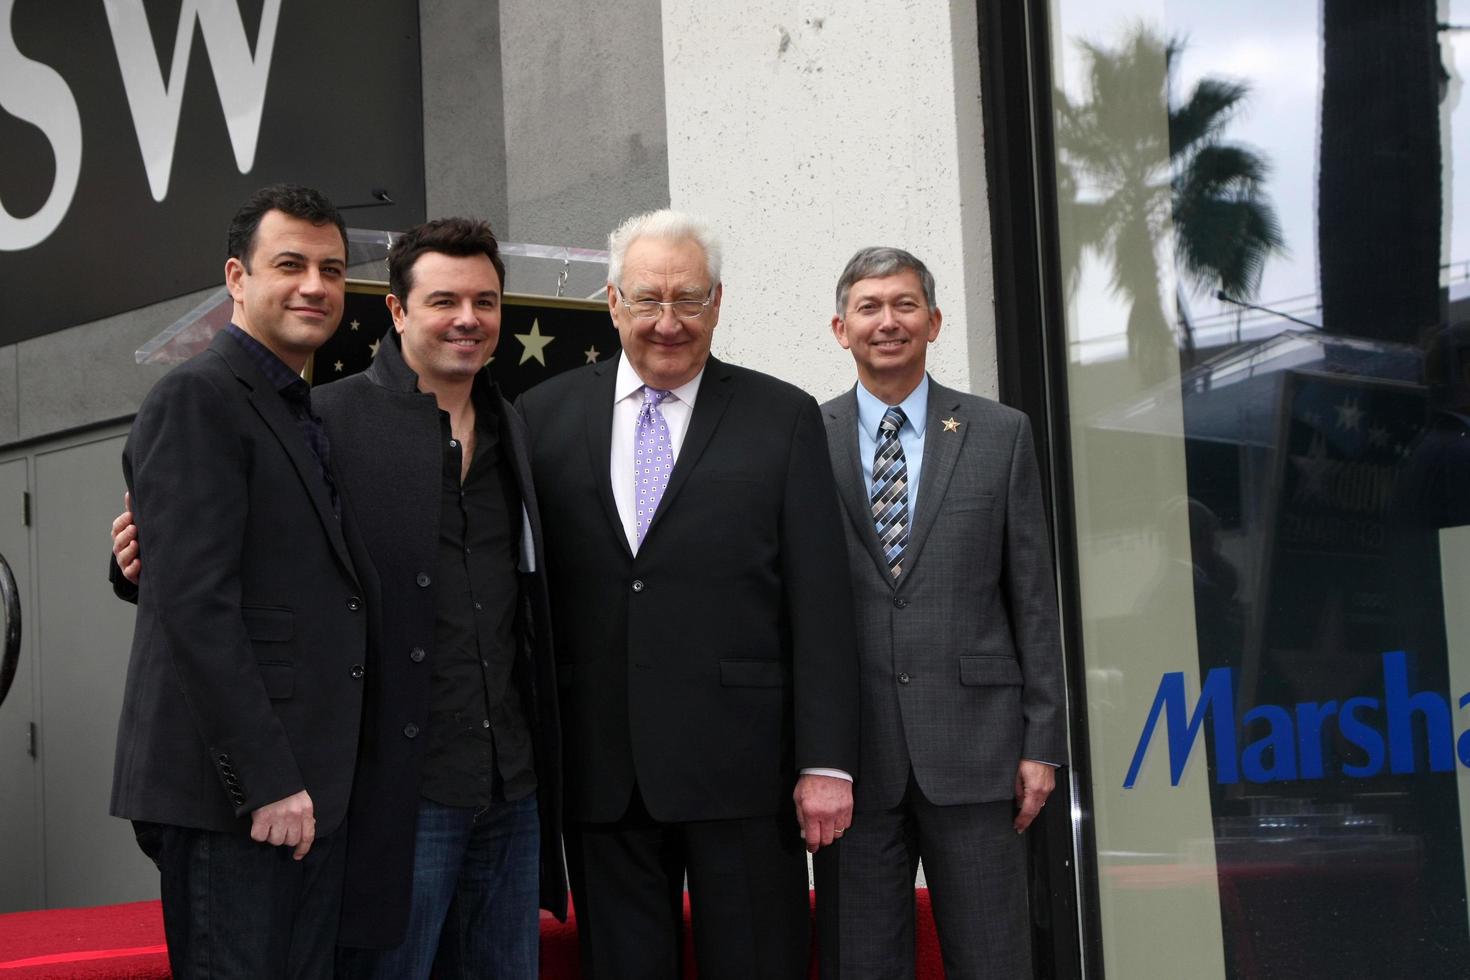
(975, 867)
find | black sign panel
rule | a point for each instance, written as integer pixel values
(539, 336)
(132, 131)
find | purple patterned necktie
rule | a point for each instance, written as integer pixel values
(653, 458)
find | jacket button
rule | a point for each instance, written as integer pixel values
(417, 655)
(900, 601)
(357, 671)
(637, 585)
(354, 603)
(422, 578)
(903, 677)
(224, 759)
(238, 798)
(411, 730)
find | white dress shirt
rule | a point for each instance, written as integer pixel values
(627, 402)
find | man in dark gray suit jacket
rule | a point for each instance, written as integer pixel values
(240, 717)
(962, 721)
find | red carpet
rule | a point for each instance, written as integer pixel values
(125, 942)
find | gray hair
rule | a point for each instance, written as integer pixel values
(879, 262)
(667, 225)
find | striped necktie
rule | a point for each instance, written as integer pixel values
(890, 495)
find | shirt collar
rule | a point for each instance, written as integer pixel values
(275, 370)
(628, 383)
(915, 408)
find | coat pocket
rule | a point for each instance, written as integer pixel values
(268, 624)
(754, 673)
(989, 671)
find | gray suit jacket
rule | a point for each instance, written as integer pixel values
(961, 669)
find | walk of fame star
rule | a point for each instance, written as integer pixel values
(534, 344)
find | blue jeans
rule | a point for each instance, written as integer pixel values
(476, 892)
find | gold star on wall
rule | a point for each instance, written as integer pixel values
(337, 366)
(355, 324)
(534, 344)
(374, 347)
(951, 424)
(592, 354)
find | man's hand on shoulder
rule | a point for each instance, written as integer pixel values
(823, 808)
(290, 822)
(1034, 783)
(125, 542)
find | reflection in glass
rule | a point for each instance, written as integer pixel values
(1268, 326)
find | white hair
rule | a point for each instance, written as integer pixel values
(667, 225)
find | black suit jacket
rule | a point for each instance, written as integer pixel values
(386, 438)
(245, 683)
(721, 658)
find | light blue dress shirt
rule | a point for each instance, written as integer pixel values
(910, 436)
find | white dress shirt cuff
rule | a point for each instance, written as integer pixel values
(834, 773)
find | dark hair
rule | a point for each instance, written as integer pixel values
(291, 199)
(879, 263)
(450, 236)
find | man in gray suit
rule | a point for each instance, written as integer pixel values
(962, 720)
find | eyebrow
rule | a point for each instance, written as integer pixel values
(451, 294)
(874, 297)
(649, 292)
(330, 260)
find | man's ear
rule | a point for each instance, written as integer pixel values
(395, 310)
(839, 330)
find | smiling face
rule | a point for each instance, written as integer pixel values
(665, 351)
(289, 293)
(450, 322)
(888, 326)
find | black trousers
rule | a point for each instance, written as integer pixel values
(236, 908)
(747, 895)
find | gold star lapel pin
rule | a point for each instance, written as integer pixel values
(951, 424)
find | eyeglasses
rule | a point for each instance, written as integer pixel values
(684, 309)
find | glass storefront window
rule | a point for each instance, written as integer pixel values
(1264, 229)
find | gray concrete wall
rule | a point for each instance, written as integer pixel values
(585, 136)
(464, 111)
(83, 375)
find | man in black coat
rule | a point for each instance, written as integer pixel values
(457, 801)
(456, 811)
(704, 629)
(240, 717)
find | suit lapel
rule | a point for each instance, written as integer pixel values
(847, 469)
(272, 410)
(942, 446)
(599, 411)
(714, 396)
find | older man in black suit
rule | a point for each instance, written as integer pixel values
(703, 624)
(240, 717)
(962, 720)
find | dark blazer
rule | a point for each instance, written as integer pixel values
(385, 438)
(961, 656)
(720, 659)
(245, 683)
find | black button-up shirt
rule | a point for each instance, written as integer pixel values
(296, 393)
(480, 751)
